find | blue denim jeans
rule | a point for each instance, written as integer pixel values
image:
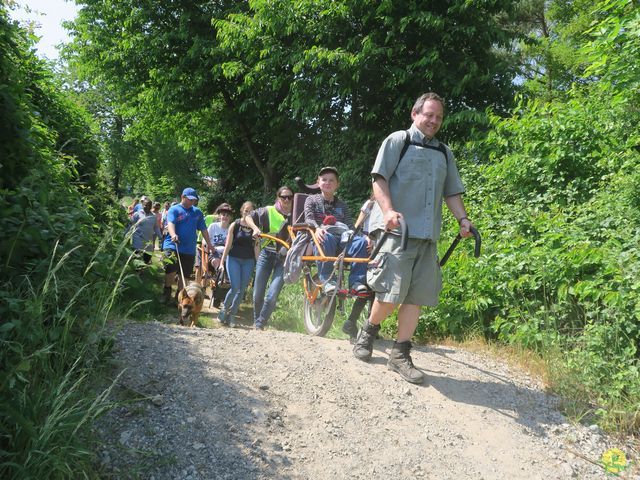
(239, 271)
(358, 249)
(269, 264)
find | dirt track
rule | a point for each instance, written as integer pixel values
(244, 404)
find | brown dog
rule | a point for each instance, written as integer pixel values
(190, 302)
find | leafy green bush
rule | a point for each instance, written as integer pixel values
(555, 196)
(63, 269)
(52, 347)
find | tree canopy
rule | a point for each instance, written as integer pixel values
(279, 88)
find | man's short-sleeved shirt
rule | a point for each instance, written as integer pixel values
(187, 222)
(417, 183)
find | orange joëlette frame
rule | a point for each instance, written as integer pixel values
(322, 257)
(311, 293)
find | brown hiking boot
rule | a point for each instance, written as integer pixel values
(363, 348)
(400, 361)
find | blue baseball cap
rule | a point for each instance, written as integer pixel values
(190, 193)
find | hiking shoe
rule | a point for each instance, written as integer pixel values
(232, 323)
(350, 328)
(359, 288)
(330, 287)
(363, 348)
(259, 326)
(400, 362)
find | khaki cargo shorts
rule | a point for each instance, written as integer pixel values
(411, 277)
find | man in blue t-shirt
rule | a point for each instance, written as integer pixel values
(183, 222)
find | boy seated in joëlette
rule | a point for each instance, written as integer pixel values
(330, 216)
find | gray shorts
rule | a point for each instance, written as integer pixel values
(411, 277)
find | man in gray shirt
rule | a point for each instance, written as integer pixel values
(410, 186)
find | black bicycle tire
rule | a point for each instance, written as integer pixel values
(315, 328)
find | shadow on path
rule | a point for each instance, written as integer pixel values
(178, 420)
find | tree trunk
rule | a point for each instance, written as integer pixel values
(263, 167)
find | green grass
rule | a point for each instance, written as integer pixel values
(53, 349)
(289, 314)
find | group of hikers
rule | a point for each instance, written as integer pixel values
(412, 175)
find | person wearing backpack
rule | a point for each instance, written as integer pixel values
(410, 181)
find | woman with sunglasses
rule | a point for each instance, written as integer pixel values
(271, 219)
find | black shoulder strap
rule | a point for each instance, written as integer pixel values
(407, 141)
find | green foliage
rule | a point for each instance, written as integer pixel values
(281, 88)
(61, 268)
(21, 132)
(614, 46)
(52, 346)
(554, 190)
(611, 377)
(550, 153)
(552, 34)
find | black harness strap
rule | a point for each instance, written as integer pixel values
(407, 141)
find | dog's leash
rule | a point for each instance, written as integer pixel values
(184, 284)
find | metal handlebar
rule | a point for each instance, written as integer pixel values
(273, 238)
(404, 231)
(454, 244)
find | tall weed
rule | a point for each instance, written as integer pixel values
(52, 348)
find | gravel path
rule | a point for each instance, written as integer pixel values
(244, 404)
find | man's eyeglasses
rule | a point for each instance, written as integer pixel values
(286, 197)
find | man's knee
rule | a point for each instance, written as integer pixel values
(386, 307)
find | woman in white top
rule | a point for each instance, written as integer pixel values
(218, 232)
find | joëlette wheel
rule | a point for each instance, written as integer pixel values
(318, 314)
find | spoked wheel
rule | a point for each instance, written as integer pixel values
(319, 313)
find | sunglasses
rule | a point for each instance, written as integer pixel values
(286, 197)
